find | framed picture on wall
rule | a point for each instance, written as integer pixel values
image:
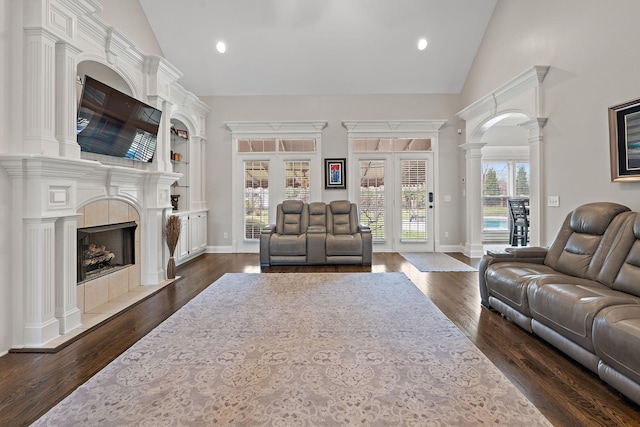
(624, 140)
(335, 173)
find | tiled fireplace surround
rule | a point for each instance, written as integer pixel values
(109, 287)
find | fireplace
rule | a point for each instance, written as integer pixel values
(105, 249)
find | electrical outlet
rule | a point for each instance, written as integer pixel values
(446, 234)
(553, 201)
(447, 198)
(225, 235)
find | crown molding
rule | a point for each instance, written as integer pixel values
(280, 127)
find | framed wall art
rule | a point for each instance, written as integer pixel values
(335, 173)
(624, 140)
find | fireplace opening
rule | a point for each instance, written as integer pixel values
(104, 249)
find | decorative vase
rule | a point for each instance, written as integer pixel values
(174, 201)
(172, 233)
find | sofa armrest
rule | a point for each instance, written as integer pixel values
(532, 255)
(265, 237)
(316, 250)
(367, 243)
(363, 228)
(268, 229)
(314, 229)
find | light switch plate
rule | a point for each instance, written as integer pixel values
(553, 201)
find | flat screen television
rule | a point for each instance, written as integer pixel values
(115, 124)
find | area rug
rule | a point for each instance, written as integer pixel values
(293, 349)
(435, 261)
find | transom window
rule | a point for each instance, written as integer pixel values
(391, 144)
(274, 145)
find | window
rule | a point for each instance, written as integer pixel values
(296, 177)
(372, 195)
(502, 180)
(256, 198)
(413, 185)
(391, 144)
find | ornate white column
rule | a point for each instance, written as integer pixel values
(67, 312)
(41, 324)
(160, 76)
(536, 186)
(473, 212)
(66, 104)
(39, 100)
(157, 202)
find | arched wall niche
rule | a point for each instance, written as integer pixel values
(518, 102)
(106, 75)
(185, 120)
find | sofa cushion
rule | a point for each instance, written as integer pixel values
(317, 214)
(585, 239)
(569, 306)
(616, 338)
(344, 244)
(627, 278)
(288, 245)
(342, 218)
(509, 281)
(594, 218)
(292, 217)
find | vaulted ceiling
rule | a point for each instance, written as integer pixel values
(320, 47)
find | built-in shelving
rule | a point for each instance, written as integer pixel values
(179, 156)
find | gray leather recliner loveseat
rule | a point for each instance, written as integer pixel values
(582, 294)
(315, 233)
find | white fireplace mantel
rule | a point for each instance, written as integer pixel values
(46, 195)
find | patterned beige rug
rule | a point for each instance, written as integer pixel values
(435, 261)
(332, 349)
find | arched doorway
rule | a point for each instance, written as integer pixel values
(517, 103)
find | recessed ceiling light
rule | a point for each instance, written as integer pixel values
(221, 47)
(422, 44)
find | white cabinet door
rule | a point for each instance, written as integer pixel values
(183, 242)
(198, 231)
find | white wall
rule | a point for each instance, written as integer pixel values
(5, 184)
(129, 18)
(591, 48)
(334, 109)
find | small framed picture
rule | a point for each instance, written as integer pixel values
(624, 140)
(335, 173)
(183, 133)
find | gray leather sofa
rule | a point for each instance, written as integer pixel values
(315, 233)
(581, 294)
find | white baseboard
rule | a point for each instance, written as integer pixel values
(450, 248)
(219, 250)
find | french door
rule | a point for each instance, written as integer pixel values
(395, 198)
(267, 182)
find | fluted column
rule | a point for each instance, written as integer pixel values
(66, 103)
(536, 183)
(67, 312)
(473, 166)
(39, 100)
(41, 324)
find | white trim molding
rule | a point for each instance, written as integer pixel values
(396, 127)
(253, 129)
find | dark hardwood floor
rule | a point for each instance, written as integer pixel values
(566, 393)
